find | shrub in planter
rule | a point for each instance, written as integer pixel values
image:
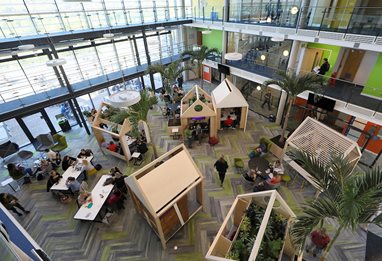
(272, 242)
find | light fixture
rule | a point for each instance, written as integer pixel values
(160, 28)
(56, 62)
(262, 57)
(258, 87)
(285, 52)
(277, 39)
(233, 56)
(206, 32)
(25, 47)
(294, 10)
(269, 20)
(124, 98)
(108, 36)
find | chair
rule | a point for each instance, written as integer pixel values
(239, 164)
(61, 142)
(44, 141)
(286, 178)
(7, 149)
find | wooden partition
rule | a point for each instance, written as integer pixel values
(229, 230)
(167, 192)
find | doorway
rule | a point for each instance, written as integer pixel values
(351, 61)
(312, 58)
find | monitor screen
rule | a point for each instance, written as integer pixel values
(223, 69)
(323, 103)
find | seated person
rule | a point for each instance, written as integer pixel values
(85, 153)
(53, 156)
(268, 184)
(112, 146)
(119, 179)
(84, 195)
(67, 162)
(87, 168)
(93, 113)
(17, 172)
(261, 150)
(116, 199)
(53, 179)
(73, 184)
(250, 175)
(228, 122)
(142, 137)
(277, 167)
(44, 169)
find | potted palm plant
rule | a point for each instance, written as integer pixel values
(348, 198)
(169, 73)
(138, 113)
(293, 85)
(197, 57)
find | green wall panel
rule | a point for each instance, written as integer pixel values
(213, 40)
(329, 51)
(373, 84)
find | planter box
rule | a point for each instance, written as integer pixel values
(276, 148)
(229, 231)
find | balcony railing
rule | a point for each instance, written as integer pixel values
(352, 20)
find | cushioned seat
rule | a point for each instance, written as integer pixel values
(239, 163)
(61, 142)
(44, 141)
(8, 148)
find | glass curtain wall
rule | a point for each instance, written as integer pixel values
(260, 54)
(52, 16)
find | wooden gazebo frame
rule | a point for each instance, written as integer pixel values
(320, 141)
(271, 201)
(192, 106)
(167, 192)
(227, 95)
(122, 130)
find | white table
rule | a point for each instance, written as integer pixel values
(99, 195)
(70, 172)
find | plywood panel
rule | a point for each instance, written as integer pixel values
(183, 207)
(170, 222)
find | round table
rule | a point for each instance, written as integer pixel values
(259, 164)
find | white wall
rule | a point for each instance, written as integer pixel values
(364, 70)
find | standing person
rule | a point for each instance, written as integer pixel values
(221, 166)
(10, 202)
(180, 81)
(199, 133)
(319, 240)
(324, 67)
(267, 100)
(188, 136)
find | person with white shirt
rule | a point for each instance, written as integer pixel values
(53, 156)
(278, 167)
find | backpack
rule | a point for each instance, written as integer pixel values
(98, 166)
(40, 176)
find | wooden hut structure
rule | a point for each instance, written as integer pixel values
(167, 192)
(269, 200)
(197, 107)
(227, 100)
(106, 131)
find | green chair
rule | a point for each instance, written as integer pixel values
(61, 143)
(267, 142)
(286, 178)
(239, 164)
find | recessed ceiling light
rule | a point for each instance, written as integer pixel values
(25, 47)
(258, 87)
(285, 52)
(262, 57)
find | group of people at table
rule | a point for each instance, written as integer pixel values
(269, 177)
(72, 183)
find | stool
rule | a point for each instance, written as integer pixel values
(8, 182)
(136, 156)
(24, 155)
(286, 178)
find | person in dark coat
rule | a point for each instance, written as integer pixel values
(67, 161)
(324, 67)
(221, 167)
(10, 202)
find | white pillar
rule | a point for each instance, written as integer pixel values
(294, 56)
(281, 107)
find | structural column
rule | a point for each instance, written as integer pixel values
(294, 56)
